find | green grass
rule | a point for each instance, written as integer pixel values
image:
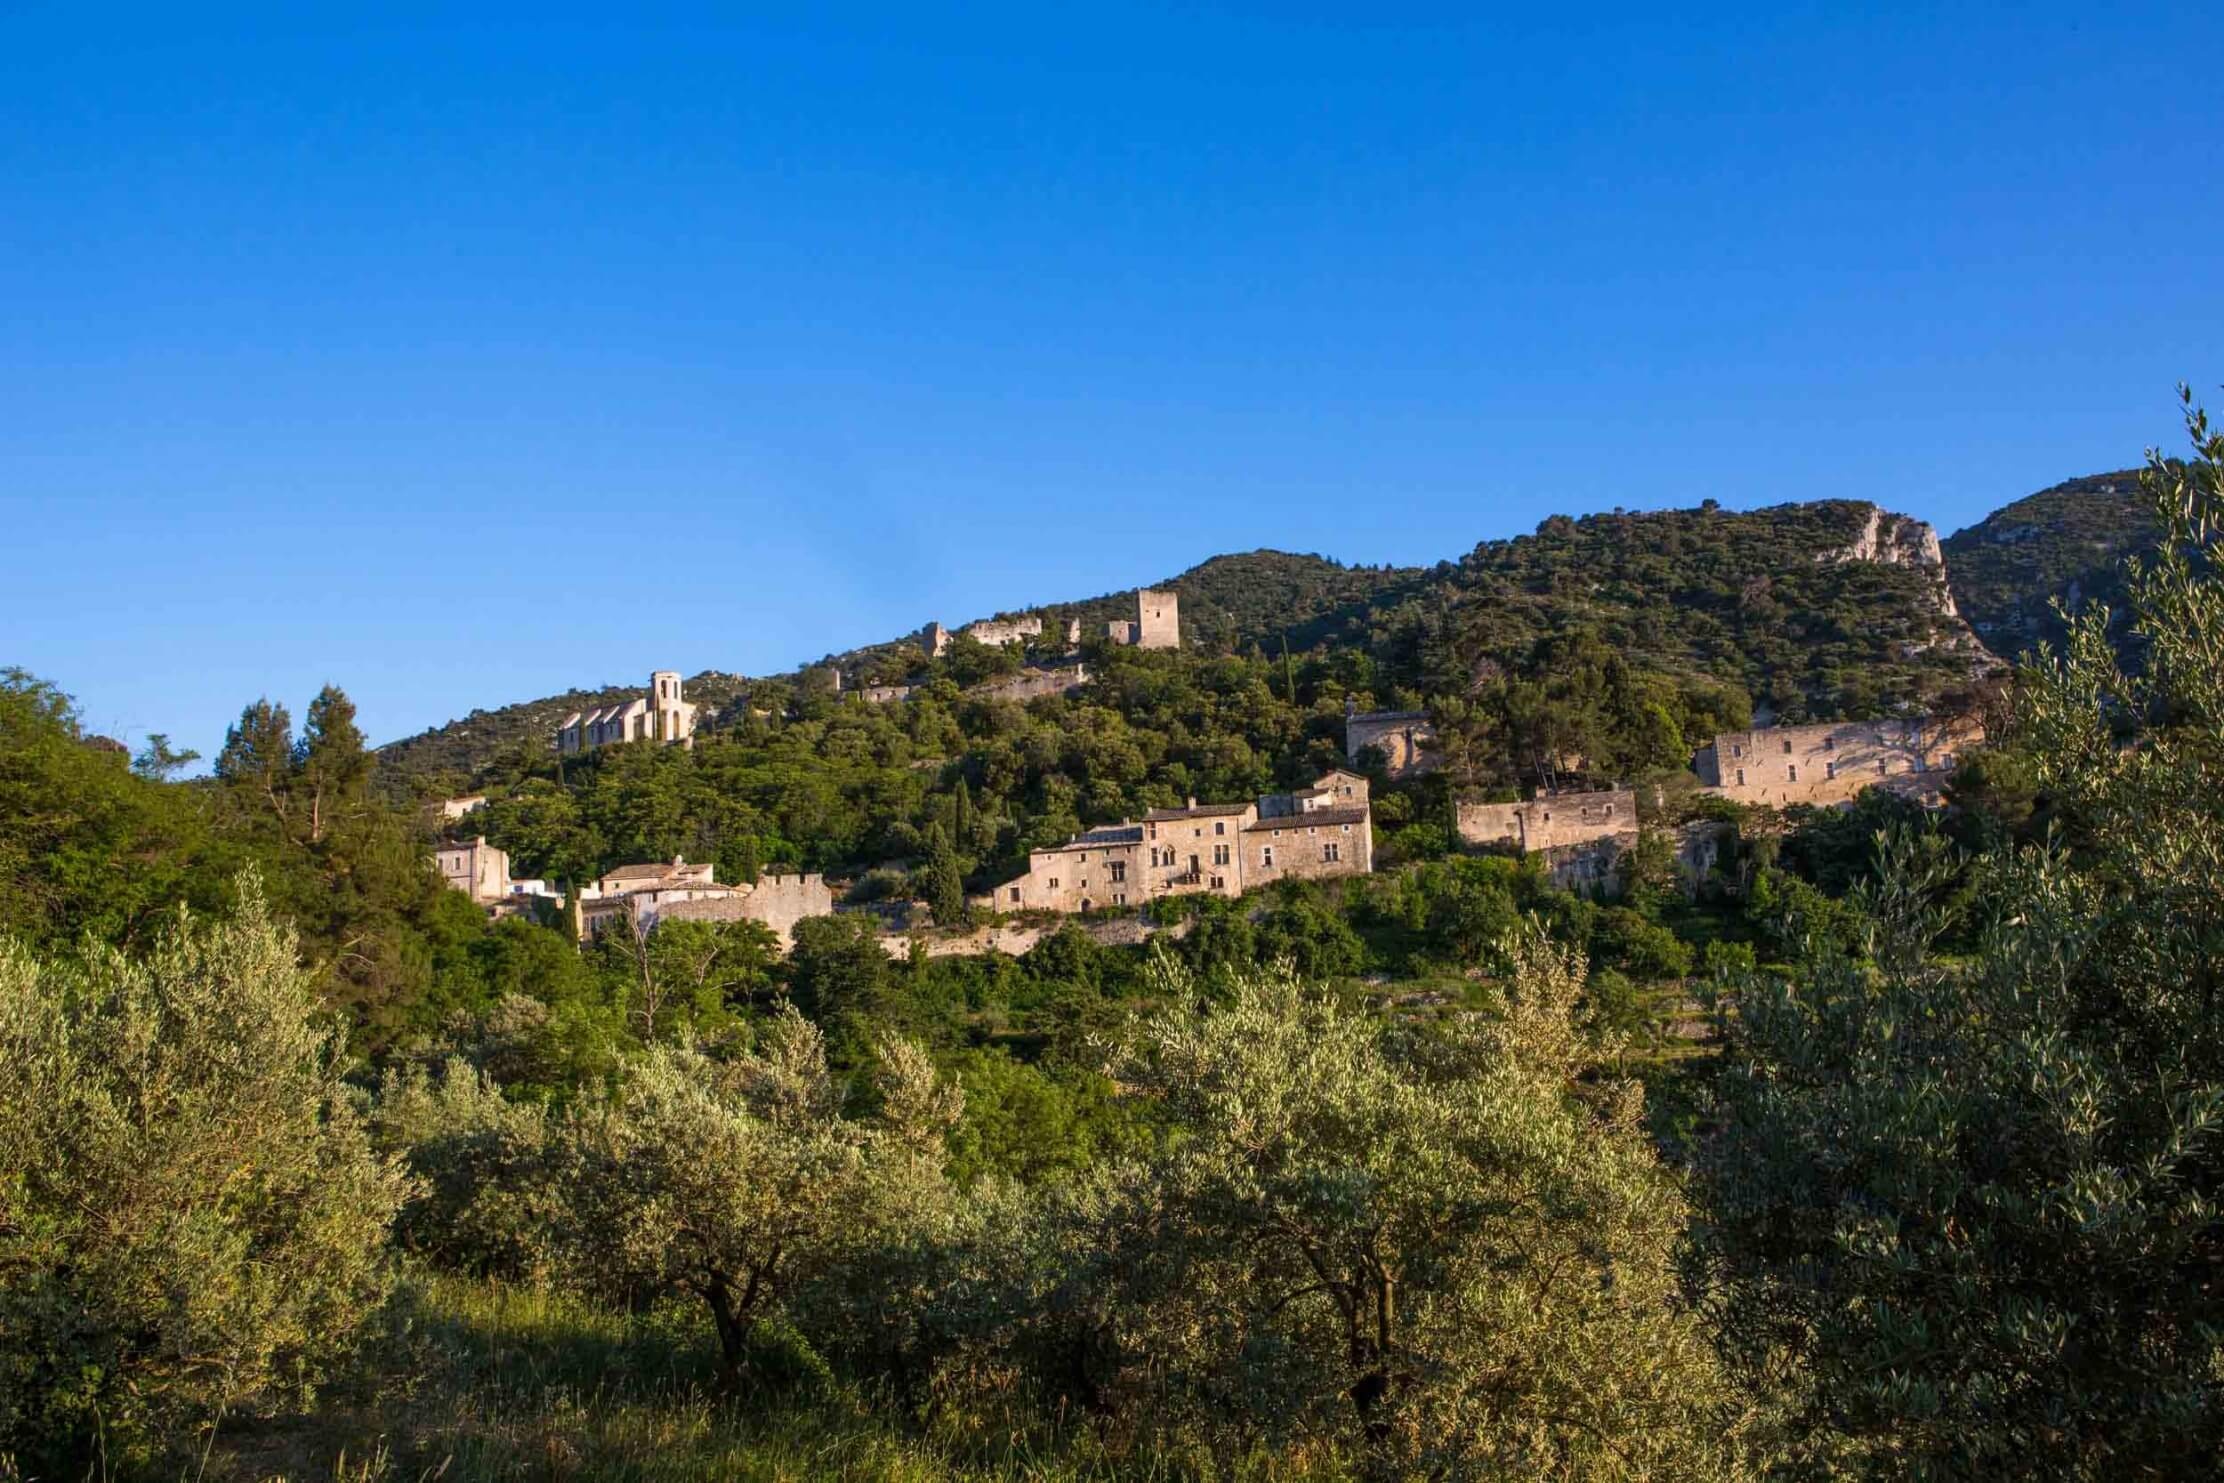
(478, 1381)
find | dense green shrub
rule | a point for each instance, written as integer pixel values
(192, 1219)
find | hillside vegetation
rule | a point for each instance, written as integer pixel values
(2065, 544)
(1750, 603)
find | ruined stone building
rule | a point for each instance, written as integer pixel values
(643, 895)
(1031, 684)
(1157, 622)
(1831, 763)
(1406, 739)
(1219, 848)
(994, 632)
(1581, 836)
(661, 715)
(1550, 821)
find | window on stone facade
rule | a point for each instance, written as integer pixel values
(1015, 893)
(1219, 854)
(1787, 746)
(1329, 852)
(1266, 857)
(1829, 743)
(1219, 827)
(1119, 870)
(1741, 777)
(1054, 883)
(1791, 774)
(1884, 768)
(1119, 898)
(1829, 770)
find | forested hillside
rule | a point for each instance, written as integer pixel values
(2066, 543)
(1738, 609)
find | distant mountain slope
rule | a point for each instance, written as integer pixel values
(2066, 542)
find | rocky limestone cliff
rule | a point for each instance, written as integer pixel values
(1899, 540)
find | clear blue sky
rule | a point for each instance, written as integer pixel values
(459, 363)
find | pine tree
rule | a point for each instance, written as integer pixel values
(330, 761)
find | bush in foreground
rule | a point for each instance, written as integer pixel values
(192, 1221)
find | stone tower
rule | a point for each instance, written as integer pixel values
(1157, 619)
(673, 718)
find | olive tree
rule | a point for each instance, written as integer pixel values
(1432, 1247)
(192, 1218)
(485, 1199)
(735, 1181)
(1969, 1212)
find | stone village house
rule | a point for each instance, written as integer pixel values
(1224, 849)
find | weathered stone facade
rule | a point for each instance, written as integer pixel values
(644, 895)
(477, 869)
(885, 694)
(1831, 763)
(778, 901)
(1549, 821)
(999, 632)
(1219, 848)
(661, 715)
(1157, 623)
(1407, 740)
(1031, 684)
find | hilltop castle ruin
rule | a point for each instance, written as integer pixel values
(1156, 625)
(1157, 622)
